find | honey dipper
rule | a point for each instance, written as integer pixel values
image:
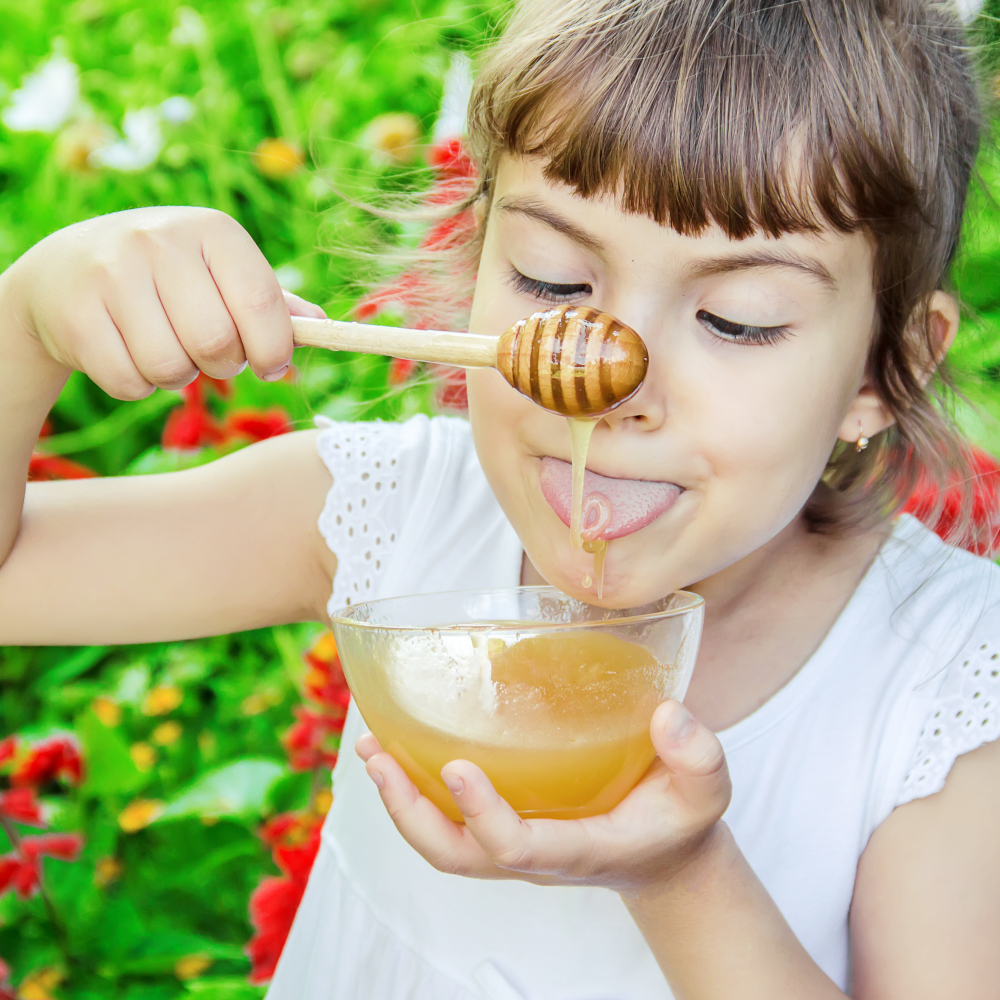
(572, 360)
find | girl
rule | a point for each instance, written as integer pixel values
(771, 195)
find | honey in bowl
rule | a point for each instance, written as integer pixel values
(551, 697)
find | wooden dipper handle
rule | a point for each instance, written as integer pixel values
(573, 360)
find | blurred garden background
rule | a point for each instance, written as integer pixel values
(160, 804)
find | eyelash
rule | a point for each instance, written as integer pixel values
(741, 332)
(547, 291)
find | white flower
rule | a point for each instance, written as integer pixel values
(47, 98)
(450, 123)
(968, 9)
(190, 28)
(177, 110)
(140, 147)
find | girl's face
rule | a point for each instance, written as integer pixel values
(757, 353)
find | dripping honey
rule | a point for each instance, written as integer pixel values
(581, 430)
(569, 735)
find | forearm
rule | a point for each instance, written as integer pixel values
(30, 382)
(718, 935)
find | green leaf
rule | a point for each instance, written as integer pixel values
(78, 662)
(228, 988)
(237, 790)
(110, 770)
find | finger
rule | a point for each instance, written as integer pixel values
(199, 316)
(693, 756)
(298, 306)
(367, 746)
(252, 295)
(100, 352)
(549, 847)
(446, 845)
(135, 308)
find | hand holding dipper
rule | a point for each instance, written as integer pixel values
(572, 360)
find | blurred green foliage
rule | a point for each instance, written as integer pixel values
(313, 73)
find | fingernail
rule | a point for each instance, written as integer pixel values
(274, 376)
(455, 784)
(679, 725)
(376, 776)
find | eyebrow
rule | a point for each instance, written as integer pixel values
(762, 258)
(701, 269)
(541, 213)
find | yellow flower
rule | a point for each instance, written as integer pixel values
(167, 733)
(255, 704)
(162, 699)
(107, 711)
(139, 814)
(207, 743)
(325, 648)
(276, 158)
(393, 136)
(191, 966)
(322, 801)
(38, 985)
(106, 871)
(143, 756)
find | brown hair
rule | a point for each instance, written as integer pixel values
(776, 116)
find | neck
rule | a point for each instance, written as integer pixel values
(766, 614)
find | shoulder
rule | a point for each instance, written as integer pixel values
(944, 609)
(943, 600)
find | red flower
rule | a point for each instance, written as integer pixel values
(20, 805)
(8, 749)
(191, 426)
(400, 369)
(290, 829)
(941, 512)
(275, 901)
(55, 757)
(273, 905)
(313, 741)
(63, 846)
(45, 468)
(257, 424)
(450, 160)
(18, 875)
(197, 391)
(452, 391)
(326, 685)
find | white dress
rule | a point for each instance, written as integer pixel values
(907, 679)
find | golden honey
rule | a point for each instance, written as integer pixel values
(568, 733)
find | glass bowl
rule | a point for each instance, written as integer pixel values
(551, 697)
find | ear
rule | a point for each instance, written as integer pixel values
(867, 414)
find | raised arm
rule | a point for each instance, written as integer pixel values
(139, 300)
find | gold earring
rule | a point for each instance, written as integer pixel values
(862, 441)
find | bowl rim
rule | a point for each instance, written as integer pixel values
(695, 601)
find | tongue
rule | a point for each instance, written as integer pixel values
(611, 507)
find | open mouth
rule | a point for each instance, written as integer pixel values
(611, 507)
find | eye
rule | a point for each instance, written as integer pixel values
(547, 291)
(741, 333)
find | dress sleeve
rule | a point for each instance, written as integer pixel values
(964, 715)
(375, 467)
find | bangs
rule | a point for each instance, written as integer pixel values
(758, 117)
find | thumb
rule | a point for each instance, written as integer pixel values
(694, 758)
(298, 306)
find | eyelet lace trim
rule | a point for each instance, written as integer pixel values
(359, 520)
(966, 714)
